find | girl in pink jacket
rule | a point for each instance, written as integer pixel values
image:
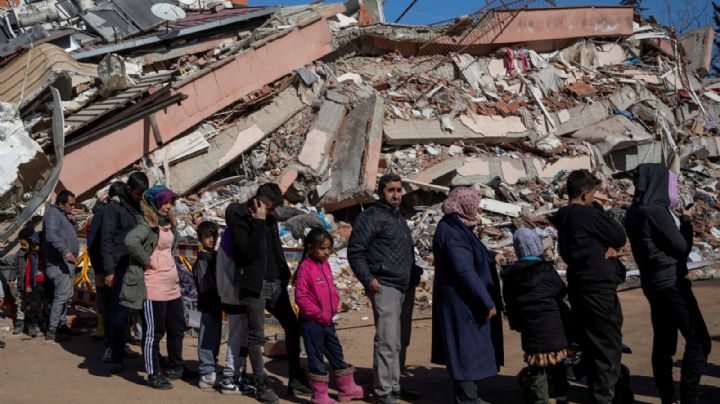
(318, 300)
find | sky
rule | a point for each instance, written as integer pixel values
(684, 15)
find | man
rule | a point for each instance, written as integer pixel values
(118, 218)
(61, 248)
(588, 241)
(263, 275)
(382, 256)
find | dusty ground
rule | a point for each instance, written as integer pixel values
(39, 372)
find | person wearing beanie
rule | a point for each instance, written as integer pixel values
(533, 293)
(152, 284)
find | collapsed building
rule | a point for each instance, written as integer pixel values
(220, 97)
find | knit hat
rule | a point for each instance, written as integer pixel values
(527, 243)
(158, 196)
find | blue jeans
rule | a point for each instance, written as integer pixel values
(209, 342)
(119, 320)
(321, 342)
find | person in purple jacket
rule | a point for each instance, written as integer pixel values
(318, 300)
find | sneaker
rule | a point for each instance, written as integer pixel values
(173, 373)
(117, 367)
(207, 381)
(159, 382)
(228, 386)
(107, 355)
(246, 387)
(129, 353)
(18, 328)
(52, 336)
(297, 388)
(265, 393)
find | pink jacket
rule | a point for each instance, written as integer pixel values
(315, 292)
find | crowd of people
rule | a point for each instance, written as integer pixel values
(132, 243)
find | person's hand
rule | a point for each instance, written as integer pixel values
(374, 287)
(500, 259)
(28, 289)
(69, 257)
(490, 314)
(259, 210)
(611, 253)
(110, 280)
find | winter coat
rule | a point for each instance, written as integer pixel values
(533, 293)
(252, 239)
(381, 247)
(584, 235)
(660, 248)
(118, 218)
(315, 292)
(203, 271)
(466, 287)
(18, 274)
(93, 240)
(140, 243)
(60, 237)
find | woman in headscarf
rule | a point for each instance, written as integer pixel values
(152, 284)
(661, 244)
(466, 327)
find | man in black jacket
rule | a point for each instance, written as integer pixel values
(263, 276)
(118, 218)
(382, 256)
(661, 243)
(588, 241)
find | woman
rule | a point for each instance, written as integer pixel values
(467, 328)
(152, 284)
(661, 244)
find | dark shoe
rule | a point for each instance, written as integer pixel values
(228, 386)
(52, 336)
(117, 367)
(159, 382)
(265, 393)
(2, 344)
(173, 373)
(386, 399)
(407, 394)
(299, 387)
(18, 328)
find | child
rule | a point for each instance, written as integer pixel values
(533, 294)
(318, 301)
(208, 304)
(34, 280)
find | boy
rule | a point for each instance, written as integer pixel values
(35, 300)
(588, 240)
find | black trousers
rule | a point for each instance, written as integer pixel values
(36, 304)
(599, 319)
(105, 307)
(675, 309)
(159, 318)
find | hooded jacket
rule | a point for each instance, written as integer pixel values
(533, 293)
(118, 218)
(315, 292)
(584, 235)
(60, 237)
(660, 248)
(252, 239)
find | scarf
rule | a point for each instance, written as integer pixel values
(158, 196)
(464, 202)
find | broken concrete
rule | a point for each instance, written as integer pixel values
(617, 132)
(320, 138)
(483, 129)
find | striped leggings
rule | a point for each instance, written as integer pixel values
(159, 318)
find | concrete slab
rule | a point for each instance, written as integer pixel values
(614, 133)
(319, 139)
(698, 47)
(401, 132)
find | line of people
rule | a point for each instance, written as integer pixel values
(133, 238)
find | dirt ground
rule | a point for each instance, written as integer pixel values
(38, 372)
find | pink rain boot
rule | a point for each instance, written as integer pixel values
(319, 384)
(347, 388)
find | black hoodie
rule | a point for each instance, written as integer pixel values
(659, 247)
(584, 235)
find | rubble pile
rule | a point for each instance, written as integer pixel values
(322, 99)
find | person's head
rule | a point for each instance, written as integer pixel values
(465, 203)
(270, 195)
(137, 184)
(527, 243)
(117, 188)
(581, 187)
(318, 244)
(65, 200)
(35, 241)
(390, 189)
(24, 237)
(207, 232)
(161, 199)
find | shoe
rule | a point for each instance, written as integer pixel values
(2, 344)
(52, 336)
(390, 399)
(159, 382)
(228, 386)
(319, 385)
(407, 394)
(117, 367)
(107, 355)
(129, 353)
(207, 381)
(264, 393)
(347, 389)
(173, 373)
(18, 328)
(299, 386)
(246, 386)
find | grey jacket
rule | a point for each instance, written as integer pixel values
(140, 243)
(60, 237)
